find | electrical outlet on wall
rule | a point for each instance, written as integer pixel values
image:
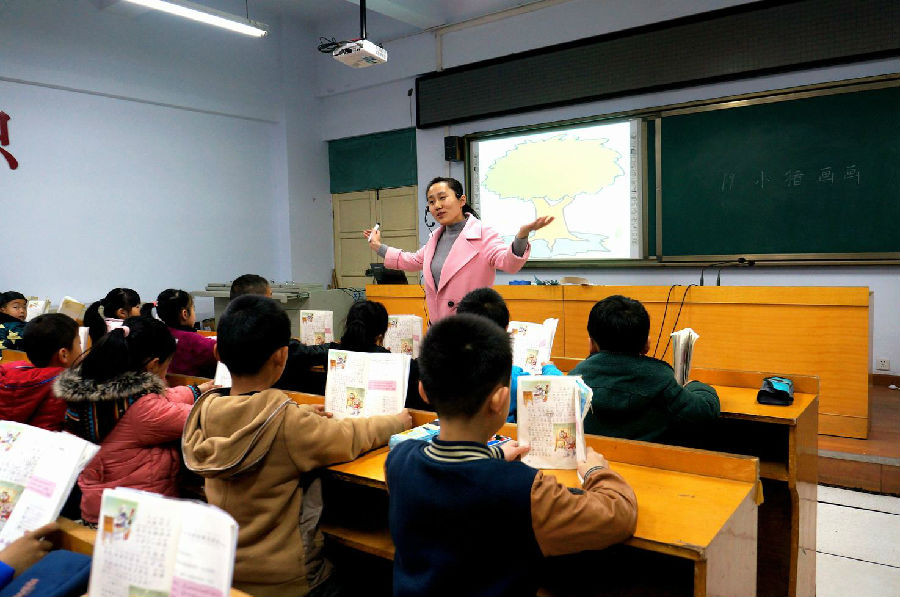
(883, 364)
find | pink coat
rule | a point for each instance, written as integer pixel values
(472, 263)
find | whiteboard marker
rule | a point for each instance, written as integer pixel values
(374, 230)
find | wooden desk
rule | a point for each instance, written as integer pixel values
(10, 356)
(790, 330)
(80, 539)
(697, 513)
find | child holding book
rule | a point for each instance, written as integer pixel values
(13, 307)
(636, 396)
(487, 302)
(26, 389)
(475, 494)
(259, 450)
(193, 351)
(117, 398)
(110, 311)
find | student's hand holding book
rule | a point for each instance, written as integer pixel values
(28, 549)
(319, 409)
(405, 418)
(593, 460)
(513, 451)
(207, 386)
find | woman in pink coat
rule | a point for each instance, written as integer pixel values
(462, 254)
(117, 397)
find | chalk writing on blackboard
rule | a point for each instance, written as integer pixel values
(794, 177)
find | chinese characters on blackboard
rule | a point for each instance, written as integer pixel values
(4, 141)
(850, 174)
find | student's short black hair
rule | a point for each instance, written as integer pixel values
(46, 334)
(10, 296)
(619, 324)
(248, 284)
(486, 302)
(250, 330)
(464, 358)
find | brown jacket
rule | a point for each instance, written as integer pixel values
(256, 453)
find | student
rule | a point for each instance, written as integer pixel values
(249, 284)
(193, 351)
(26, 389)
(258, 451)
(636, 396)
(25, 551)
(13, 308)
(117, 397)
(110, 311)
(487, 302)
(453, 496)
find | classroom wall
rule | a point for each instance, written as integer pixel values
(378, 102)
(156, 152)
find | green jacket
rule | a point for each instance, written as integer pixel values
(637, 397)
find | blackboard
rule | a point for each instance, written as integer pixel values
(376, 161)
(800, 178)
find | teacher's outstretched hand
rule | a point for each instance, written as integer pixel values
(527, 229)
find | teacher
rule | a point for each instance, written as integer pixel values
(462, 254)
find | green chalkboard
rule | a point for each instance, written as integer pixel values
(813, 176)
(376, 161)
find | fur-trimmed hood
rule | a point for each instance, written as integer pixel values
(72, 387)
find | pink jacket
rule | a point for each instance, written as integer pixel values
(142, 450)
(472, 263)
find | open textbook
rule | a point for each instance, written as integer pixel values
(154, 546)
(682, 351)
(316, 327)
(363, 384)
(36, 307)
(37, 471)
(71, 307)
(551, 412)
(532, 343)
(404, 334)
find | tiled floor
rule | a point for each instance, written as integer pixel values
(858, 544)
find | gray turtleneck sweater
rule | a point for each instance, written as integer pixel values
(448, 236)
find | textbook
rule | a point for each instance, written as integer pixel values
(551, 412)
(532, 343)
(154, 546)
(682, 351)
(404, 334)
(223, 376)
(37, 471)
(36, 307)
(71, 307)
(363, 384)
(316, 327)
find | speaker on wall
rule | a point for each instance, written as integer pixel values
(453, 149)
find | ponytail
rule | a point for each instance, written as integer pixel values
(128, 348)
(106, 308)
(366, 320)
(147, 309)
(169, 305)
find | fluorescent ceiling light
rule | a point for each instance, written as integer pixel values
(210, 16)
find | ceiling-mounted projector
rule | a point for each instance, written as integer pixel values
(360, 53)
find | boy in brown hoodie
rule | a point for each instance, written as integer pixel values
(256, 448)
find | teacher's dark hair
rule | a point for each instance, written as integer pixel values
(456, 187)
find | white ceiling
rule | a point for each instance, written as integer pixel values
(386, 19)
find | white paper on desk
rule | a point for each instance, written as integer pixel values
(682, 351)
(404, 334)
(223, 376)
(316, 327)
(532, 343)
(551, 420)
(151, 545)
(37, 471)
(362, 384)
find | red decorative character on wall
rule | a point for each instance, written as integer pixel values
(4, 141)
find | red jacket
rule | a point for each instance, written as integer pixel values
(142, 450)
(193, 354)
(26, 395)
